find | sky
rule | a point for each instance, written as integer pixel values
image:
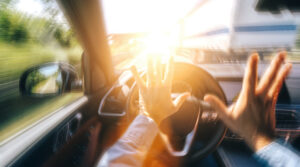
(126, 16)
(32, 7)
(36, 8)
(144, 15)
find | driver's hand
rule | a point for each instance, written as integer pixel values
(155, 94)
(253, 114)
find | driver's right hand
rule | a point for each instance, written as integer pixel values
(253, 114)
(155, 99)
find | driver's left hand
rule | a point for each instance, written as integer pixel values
(155, 94)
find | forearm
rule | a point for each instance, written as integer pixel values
(277, 153)
(131, 148)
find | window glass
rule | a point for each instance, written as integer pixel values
(32, 33)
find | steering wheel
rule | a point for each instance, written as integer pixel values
(195, 130)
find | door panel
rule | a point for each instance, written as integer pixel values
(40, 137)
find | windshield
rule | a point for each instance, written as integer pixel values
(195, 32)
(202, 32)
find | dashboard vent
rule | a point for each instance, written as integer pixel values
(287, 119)
(287, 122)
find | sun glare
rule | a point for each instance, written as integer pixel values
(157, 46)
(159, 20)
(133, 16)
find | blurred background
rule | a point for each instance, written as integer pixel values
(32, 33)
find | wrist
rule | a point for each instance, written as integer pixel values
(257, 142)
(156, 120)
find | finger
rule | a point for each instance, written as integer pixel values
(169, 73)
(283, 73)
(150, 71)
(137, 77)
(249, 82)
(180, 100)
(159, 71)
(270, 74)
(218, 106)
(157, 76)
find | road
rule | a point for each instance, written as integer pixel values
(9, 89)
(46, 86)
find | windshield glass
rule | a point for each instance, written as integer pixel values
(195, 32)
(202, 32)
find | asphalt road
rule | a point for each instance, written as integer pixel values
(47, 86)
(9, 89)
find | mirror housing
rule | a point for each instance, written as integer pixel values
(49, 79)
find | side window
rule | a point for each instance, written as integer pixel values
(36, 43)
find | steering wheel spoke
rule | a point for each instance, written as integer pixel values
(188, 141)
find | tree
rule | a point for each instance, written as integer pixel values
(19, 33)
(5, 25)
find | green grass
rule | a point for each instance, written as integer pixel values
(15, 59)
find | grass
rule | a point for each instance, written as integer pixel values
(15, 59)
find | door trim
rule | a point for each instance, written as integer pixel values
(14, 148)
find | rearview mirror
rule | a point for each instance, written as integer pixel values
(49, 79)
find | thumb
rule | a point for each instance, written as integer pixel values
(137, 77)
(217, 104)
(180, 100)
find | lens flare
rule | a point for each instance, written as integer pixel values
(156, 45)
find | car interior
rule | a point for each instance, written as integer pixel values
(100, 102)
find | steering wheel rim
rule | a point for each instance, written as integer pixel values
(215, 141)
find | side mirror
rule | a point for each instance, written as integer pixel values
(49, 79)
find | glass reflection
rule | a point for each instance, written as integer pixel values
(44, 80)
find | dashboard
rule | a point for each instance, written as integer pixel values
(113, 104)
(287, 113)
